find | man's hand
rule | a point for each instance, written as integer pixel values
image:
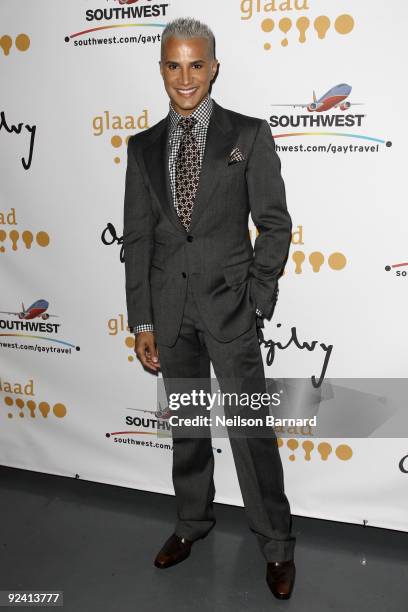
(146, 350)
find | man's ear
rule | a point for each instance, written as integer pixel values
(214, 68)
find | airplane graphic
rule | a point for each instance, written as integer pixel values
(159, 414)
(37, 309)
(334, 98)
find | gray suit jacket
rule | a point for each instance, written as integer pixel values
(229, 278)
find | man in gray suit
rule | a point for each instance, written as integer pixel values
(196, 289)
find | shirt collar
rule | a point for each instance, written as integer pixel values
(202, 113)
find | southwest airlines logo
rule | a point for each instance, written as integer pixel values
(27, 323)
(336, 97)
(37, 309)
(326, 111)
(122, 15)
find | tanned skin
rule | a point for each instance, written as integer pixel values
(187, 69)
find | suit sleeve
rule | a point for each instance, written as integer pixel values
(137, 243)
(267, 200)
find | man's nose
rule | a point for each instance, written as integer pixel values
(186, 75)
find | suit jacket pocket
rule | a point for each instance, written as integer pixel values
(233, 170)
(237, 273)
(157, 262)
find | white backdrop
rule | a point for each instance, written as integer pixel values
(86, 92)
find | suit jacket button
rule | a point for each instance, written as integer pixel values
(184, 275)
(189, 239)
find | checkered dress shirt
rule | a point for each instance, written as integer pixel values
(203, 114)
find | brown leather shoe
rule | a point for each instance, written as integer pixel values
(174, 550)
(280, 576)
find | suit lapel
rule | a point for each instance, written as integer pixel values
(220, 140)
(157, 165)
(219, 143)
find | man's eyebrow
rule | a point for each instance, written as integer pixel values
(198, 61)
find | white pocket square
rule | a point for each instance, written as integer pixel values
(235, 156)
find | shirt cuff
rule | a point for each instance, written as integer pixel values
(142, 327)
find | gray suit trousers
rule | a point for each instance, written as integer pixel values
(257, 459)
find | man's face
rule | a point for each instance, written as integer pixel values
(187, 70)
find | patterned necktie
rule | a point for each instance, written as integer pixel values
(187, 171)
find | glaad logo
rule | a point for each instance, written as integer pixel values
(26, 404)
(312, 450)
(297, 29)
(327, 111)
(109, 124)
(19, 238)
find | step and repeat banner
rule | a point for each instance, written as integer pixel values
(77, 79)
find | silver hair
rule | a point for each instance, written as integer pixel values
(187, 27)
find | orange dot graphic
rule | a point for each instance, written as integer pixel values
(344, 452)
(308, 446)
(298, 257)
(285, 24)
(3, 236)
(116, 160)
(316, 260)
(22, 42)
(31, 406)
(5, 44)
(27, 237)
(44, 408)
(337, 261)
(302, 25)
(292, 444)
(116, 141)
(322, 24)
(59, 410)
(8, 400)
(324, 449)
(267, 46)
(130, 341)
(14, 237)
(42, 238)
(344, 24)
(267, 25)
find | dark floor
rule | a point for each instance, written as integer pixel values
(97, 542)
